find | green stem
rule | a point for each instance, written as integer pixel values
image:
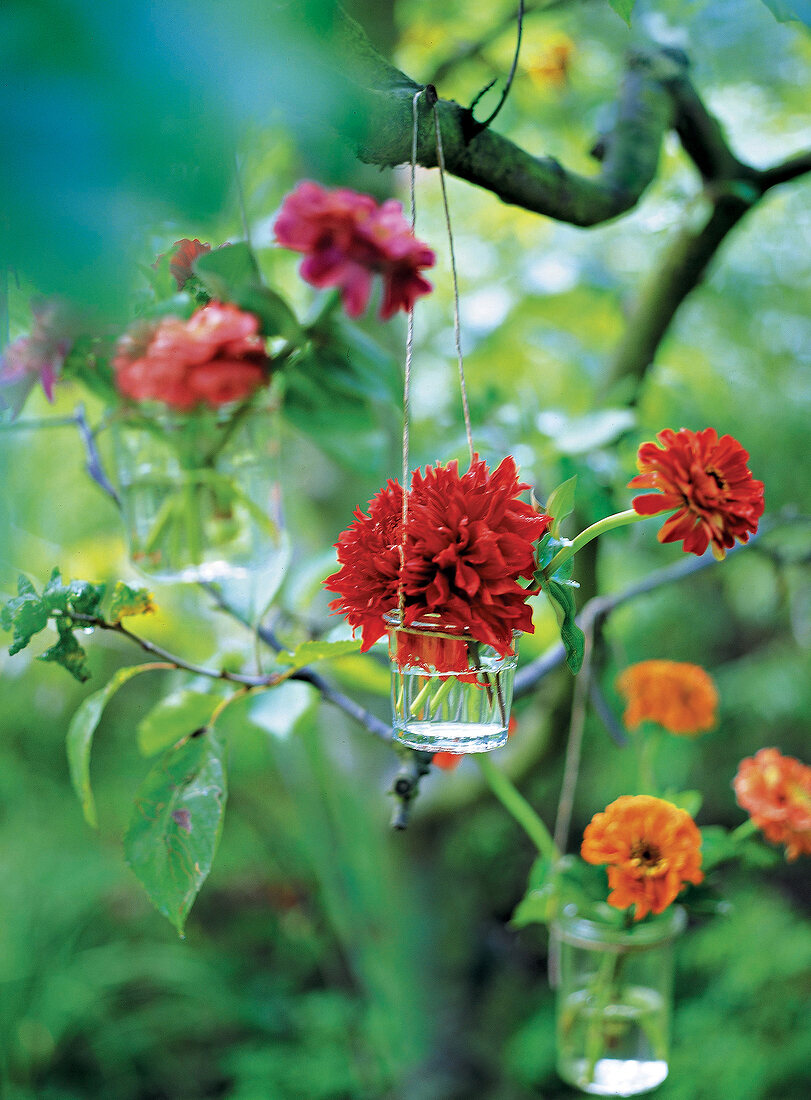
(619, 519)
(516, 805)
(645, 744)
(419, 699)
(744, 831)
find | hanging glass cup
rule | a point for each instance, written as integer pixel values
(614, 1003)
(449, 692)
(199, 491)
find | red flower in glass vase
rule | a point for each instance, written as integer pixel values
(469, 540)
(776, 792)
(347, 239)
(706, 480)
(214, 358)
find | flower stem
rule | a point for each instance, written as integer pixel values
(619, 519)
(516, 805)
(743, 831)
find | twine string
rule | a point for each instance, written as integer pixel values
(457, 332)
(408, 356)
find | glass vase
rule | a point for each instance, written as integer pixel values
(614, 1002)
(449, 692)
(199, 492)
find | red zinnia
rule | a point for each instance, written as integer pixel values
(348, 238)
(707, 480)
(213, 358)
(776, 792)
(469, 540)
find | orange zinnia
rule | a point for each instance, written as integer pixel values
(776, 792)
(678, 696)
(652, 849)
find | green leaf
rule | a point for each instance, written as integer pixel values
(561, 503)
(787, 11)
(224, 270)
(80, 737)
(176, 825)
(67, 652)
(26, 614)
(716, 846)
(561, 597)
(686, 800)
(130, 601)
(308, 652)
(174, 717)
(623, 8)
(276, 316)
(80, 596)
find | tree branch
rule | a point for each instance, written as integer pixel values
(645, 112)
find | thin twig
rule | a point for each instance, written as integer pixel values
(179, 662)
(93, 464)
(479, 126)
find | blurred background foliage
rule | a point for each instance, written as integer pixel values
(328, 957)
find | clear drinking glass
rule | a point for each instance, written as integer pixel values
(449, 692)
(200, 497)
(614, 1002)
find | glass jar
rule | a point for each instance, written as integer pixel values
(199, 492)
(449, 692)
(614, 1001)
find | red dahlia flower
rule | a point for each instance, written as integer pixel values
(347, 239)
(469, 540)
(707, 480)
(212, 359)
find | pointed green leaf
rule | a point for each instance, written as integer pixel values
(67, 652)
(26, 614)
(176, 825)
(686, 800)
(561, 503)
(174, 717)
(80, 737)
(623, 8)
(275, 315)
(787, 11)
(561, 597)
(223, 270)
(308, 652)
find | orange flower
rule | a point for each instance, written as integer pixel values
(706, 483)
(776, 792)
(652, 849)
(678, 696)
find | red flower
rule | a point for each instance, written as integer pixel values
(469, 541)
(184, 253)
(776, 792)
(347, 239)
(707, 480)
(213, 358)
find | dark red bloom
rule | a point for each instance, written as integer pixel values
(469, 540)
(706, 480)
(213, 358)
(347, 239)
